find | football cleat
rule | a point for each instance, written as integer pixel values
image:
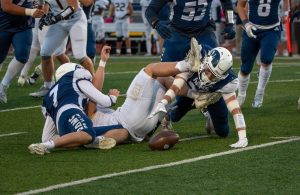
(41, 93)
(166, 124)
(193, 56)
(104, 143)
(258, 100)
(3, 96)
(35, 75)
(21, 80)
(38, 148)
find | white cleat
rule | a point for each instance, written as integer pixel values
(38, 148)
(105, 143)
(193, 56)
(258, 100)
(242, 143)
(22, 81)
(241, 100)
(3, 96)
(41, 93)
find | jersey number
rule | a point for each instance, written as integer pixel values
(264, 8)
(120, 7)
(53, 93)
(194, 12)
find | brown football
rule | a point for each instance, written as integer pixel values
(163, 140)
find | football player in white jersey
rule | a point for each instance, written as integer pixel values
(98, 23)
(65, 19)
(122, 10)
(66, 123)
(38, 37)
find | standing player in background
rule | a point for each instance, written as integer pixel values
(98, 23)
(17, 20)
(148, 29)
(189, 19)
(66, 18)
(122, 10)
(262, 32)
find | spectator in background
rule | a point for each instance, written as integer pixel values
(17, 20)
(295, 7)
(282, 48)
(216, 10)
(98, 23)
(238, 30)
(122, 10)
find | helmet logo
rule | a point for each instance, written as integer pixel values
(215, 58)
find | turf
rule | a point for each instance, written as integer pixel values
(272, 170)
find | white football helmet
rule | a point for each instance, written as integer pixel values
(219, 62)
(65, 68)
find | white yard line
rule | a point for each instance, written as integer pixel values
(21, 108)
(193, 138)
(154, 167)
(10, 134)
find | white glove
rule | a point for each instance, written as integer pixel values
(160, 108)
(249, 30)
(240, 144)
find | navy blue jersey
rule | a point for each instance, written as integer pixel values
(16, 23)
(65, 91)
(264, 12)
(194, 83)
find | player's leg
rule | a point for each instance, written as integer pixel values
(249, 50)
(269, 43)
(78, 37)
(91, 42)
(219, 115)
(21, 42)
(126, 35)
(119, 36)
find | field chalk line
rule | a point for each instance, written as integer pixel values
(154, 167)
(10, 134)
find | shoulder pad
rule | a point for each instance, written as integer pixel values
(82, 74)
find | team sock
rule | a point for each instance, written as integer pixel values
(264, 76)
(243, 84)
(13, 69)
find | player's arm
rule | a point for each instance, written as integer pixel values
(130, 9)
(111, 12)
(9, 7)
(153, 10)
(86, 3)
(241, 7)
(228, 32)
(286, 8)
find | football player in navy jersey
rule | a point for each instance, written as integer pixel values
(261, 32)
(17, 20)
(66, 123)
(209, 84)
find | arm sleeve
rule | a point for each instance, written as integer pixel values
(153, 10)
(94, 94)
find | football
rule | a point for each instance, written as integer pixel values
(163, 140)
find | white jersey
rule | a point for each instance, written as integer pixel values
(143, 95)
(101, 4)
(145, 3)
(121, 8)
(57, 6)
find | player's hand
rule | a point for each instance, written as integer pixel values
(228, 32)
(240, 144)
(160, 108)
(105, 53)
(38, 13)
(249, 28)
(47, 20)
(114, 92)
(163, 29)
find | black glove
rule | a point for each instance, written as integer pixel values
(295, 14)
(47, 20)
(228, 32)
(163, 29)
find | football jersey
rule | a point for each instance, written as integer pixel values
(190, 15)
(99, 6)
(66, 91)
(121, 8)
(16, 23)
(264, 13)
(145, 3)
(58, 6)
(194, 84)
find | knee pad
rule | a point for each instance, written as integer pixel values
(119, 38)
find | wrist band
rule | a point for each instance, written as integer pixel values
(29, 12)
(102, 63)
(245, 21)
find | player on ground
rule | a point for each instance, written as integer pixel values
(262, 32)
(210, 84)
(66, 18)
(17, 20)
(66, 123)
(122, 10)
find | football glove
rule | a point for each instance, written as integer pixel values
(240, 144)
(205, 99)
(228, 32)
(160, 108)
(163, 29)
(249, 28)
(47, 20)
(194, 55)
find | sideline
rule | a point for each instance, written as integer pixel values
(154, 167)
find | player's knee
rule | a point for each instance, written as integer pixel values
(92, 134)
(79, 55)
(23, 60)
(222, 131)
(245, 71)
(119, 39)
(267, 60)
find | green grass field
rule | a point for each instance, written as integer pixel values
(198, 164)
